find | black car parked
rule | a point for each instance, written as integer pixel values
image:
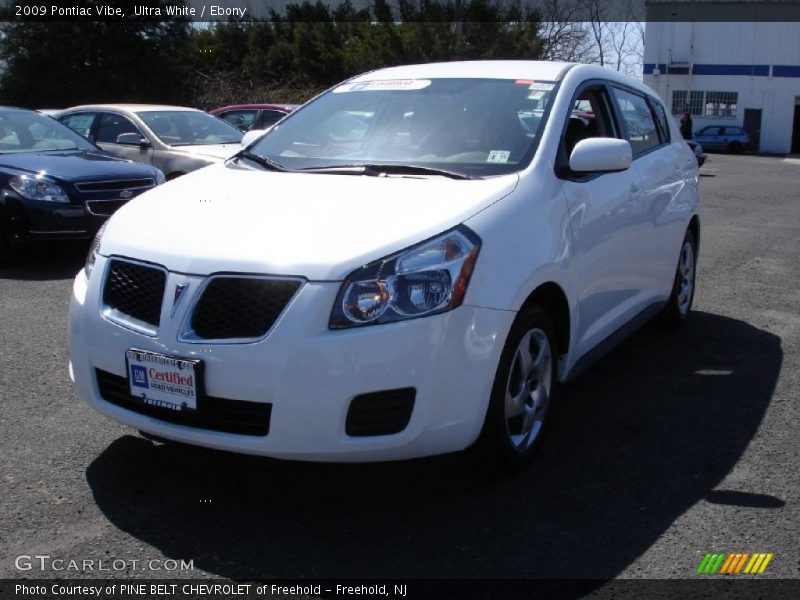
(54, 184)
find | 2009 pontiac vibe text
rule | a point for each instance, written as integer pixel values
(413, 263)
(109, 11)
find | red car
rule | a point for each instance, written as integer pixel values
(253, 116)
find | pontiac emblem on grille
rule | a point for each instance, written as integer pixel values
(124, 194)
(179, 289)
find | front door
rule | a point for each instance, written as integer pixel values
(118, 135)
(752, 125)
(607, 227)
(710, 138)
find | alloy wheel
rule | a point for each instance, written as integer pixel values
(528, 389)
(686, 278)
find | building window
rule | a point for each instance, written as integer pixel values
(678, 102)
(721, 104)
(708, 104)
(696, 103)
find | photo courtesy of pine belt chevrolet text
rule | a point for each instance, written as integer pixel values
(413, 263)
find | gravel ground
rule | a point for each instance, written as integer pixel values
(671, 446)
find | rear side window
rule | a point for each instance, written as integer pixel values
(638, 118)
(80, 123)
(712, 131)
(243, 120)
(661, 117)
(270, 117)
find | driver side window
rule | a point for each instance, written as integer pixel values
(112, 126)
(590, 117)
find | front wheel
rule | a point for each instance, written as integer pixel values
(524, 389)
(681, 299)
(5, 247)
(736, 148)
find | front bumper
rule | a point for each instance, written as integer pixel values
(30, 220)
(310, 374)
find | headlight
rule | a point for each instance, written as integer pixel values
(160, 177)
(698, 150)
(427, 279)
(37, 188)
(94, 249)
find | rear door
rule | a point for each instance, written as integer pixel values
(662, 165)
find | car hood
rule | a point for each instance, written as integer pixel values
(318, 226)
(72, 166)
(219, 151)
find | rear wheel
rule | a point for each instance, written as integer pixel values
(681, 299)
(524, 388)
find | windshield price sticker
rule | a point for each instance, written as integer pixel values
(384, 84)
(541, 86)
(498, 156)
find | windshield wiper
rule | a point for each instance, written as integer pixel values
(378, 169)
(263, 161)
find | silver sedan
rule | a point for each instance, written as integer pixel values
(173, 138)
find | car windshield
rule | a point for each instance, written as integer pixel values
(22, 131)
(475, 127)
(190, 128)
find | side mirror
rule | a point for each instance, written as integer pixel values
(602, 155)
(252, 135)
(132, 139)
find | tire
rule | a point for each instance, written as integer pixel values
(735, 148)
(174, 175)
(525, 387)
(5, 248)
(675, 314)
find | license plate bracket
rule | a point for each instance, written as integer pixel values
(163, 381)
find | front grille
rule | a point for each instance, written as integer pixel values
(380, 413)
(119, 185)
(135, 290)
(216, 414)
(105, 208)
(240, 307)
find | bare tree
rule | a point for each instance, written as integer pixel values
(617, 34)
(563, 32)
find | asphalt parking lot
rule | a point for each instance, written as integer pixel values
(671, 446)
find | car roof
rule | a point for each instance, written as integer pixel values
(542, 70)
(16, 109)
(260, 106)
(477, 69)
(133, 108)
